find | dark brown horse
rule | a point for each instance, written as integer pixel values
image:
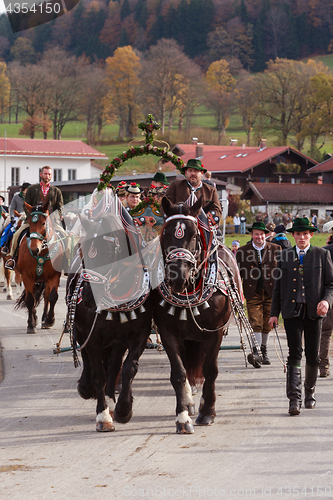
(113, 314)
(191, 334)
(39, 253)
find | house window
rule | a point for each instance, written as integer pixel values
(57, 174)
(231, 180)
(71, 174)
(15, 176)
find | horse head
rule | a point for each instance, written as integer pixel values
(38, 227)
(101, 248)
(181, 243)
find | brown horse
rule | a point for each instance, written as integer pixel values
(8, 274)
(39, 253)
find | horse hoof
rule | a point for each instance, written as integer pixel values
(120, 418)
(184, 428)
(46, 325)
(254, 360)
(204, 419)
(31, 329)
(105, 427)
(191, 410)
(9, 297)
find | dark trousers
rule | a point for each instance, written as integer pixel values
(312, 329)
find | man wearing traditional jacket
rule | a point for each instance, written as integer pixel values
(303, 293)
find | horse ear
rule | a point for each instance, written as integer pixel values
(46, 207)
(207, 207)
(166, 205)
(85, 223)
(195, 209)
(28, 207)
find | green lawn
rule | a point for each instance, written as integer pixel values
(318, 239)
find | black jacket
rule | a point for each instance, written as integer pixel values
(317, 276)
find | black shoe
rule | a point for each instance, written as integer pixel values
(264, 358)
(294, 408)
(254, 359)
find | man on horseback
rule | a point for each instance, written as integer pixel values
(180, 191)
(39, 194)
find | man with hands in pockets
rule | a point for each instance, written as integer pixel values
(303, 293)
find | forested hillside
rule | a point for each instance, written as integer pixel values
(252, 31)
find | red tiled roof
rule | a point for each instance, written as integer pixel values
(41, 147)
(290, 193)
(235, 158)
(325, 166)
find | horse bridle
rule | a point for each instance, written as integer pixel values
(183, 253)
(34, 218)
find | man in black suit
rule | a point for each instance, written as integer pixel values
(303, 292)
(326, 330)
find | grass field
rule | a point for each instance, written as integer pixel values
(318, 239)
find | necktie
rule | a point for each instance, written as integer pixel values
(301, 256)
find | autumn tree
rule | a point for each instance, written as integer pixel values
(247, 102)
(279, 89)
(220, 92)
(65, 86)
(92, 102)
(170, 78)
(23, 51)
(123, 83)
(4, 90)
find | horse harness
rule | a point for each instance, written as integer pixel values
(52, 244)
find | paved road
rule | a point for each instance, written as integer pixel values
(49, 447)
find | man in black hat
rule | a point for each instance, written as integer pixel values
(280, 238)
(303, 293)
(180, 191)
(257, 261)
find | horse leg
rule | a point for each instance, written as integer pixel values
(9, 291)
(123, 410)
(50, 299)
(210, 371)
(178, 380)
(85, 386)
(32, 315)
(104, 422)
(113, 360)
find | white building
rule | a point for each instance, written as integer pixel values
(22, 159)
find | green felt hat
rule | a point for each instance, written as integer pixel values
(260, 226)
(160, 177)
(302, 224)
(193, 163)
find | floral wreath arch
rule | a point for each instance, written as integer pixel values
(134, 151)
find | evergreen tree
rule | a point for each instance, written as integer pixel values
(243, 13)
(259, 39)
(199, 23)
(123, 41)
(292, 45)
(141, 13)
(125, 9)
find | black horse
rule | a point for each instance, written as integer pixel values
(191, 334)
(113, 313)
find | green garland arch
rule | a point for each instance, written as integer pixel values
(135, 151)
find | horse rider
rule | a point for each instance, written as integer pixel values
(133, 195)
(18, 205)
(257, 261)
(39, 194)
(180, 191)
(3, 209)
(303, 293)
(160, 180)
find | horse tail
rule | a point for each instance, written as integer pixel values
(38, 294)
(193, 357)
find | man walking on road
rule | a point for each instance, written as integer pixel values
(303, 292)
(257, 261)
